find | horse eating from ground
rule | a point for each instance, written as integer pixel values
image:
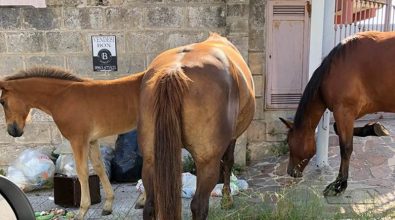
(356, 78)
(199, 96)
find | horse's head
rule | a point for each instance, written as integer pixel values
(301, 149)
(15, 109)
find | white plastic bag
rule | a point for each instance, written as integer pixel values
(189, 186)
(32, 170)
(65, 165)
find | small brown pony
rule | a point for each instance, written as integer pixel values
(199, 96)
(356, 78)
(83, 110)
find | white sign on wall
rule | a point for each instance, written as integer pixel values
(104, 52)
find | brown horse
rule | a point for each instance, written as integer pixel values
(356, 78)
(200, 97)
(83, 110)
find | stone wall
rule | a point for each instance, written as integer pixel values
(61, 35)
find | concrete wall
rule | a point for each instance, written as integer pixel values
(61, 35)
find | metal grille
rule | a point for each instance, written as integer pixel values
(285, 98)
(289, 10)
(353, 16)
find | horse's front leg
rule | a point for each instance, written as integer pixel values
(80, 150)
(95, 156)
(345, 128)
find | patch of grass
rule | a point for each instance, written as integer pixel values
(280, 148)
(284, 205)
(302, 203)
(2, 172)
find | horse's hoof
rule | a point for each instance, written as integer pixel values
(226, 202)
(139, 206)
(106, 212)
(336, 188)
(380, 130)
(140, 201)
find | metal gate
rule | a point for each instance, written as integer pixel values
(353, 16)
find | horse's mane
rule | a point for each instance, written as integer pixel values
(313, 86)
(45, 72)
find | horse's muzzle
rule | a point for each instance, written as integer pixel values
(14, 130)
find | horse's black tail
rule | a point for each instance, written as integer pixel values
(170, 87)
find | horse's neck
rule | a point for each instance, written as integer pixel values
(41, 93)
(312, 114)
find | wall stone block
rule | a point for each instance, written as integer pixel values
(259, 84)
(13, 64)
(42, 18)
(184, 38)
(236, 24)
(25, 42)
(64, 42)
(4, 136)
(259, 109)
(165, 17)
(3, 46)
(257, 14)
(132, 63)
(10, 18)
(256, 132)
(240, 10)
(241, 150)
(31, 61)
(81, 65)
(145, 41)
(38, 133)
(256, 62)
(257, 40)
(83, 18)
(115, 18)
(207, 17)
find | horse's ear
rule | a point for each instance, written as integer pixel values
(287, 123)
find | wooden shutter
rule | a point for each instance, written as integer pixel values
(287, 53)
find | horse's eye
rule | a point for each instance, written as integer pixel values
(2, 102)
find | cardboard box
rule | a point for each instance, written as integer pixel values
(67, 190)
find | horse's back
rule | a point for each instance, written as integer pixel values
(363, 74)
(220, 88)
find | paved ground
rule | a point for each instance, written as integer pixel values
(370, 190)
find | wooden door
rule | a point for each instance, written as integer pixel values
(287, 52)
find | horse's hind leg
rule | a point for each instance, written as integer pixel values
(228, 161)
(207, 177)
(147, 176)
(345, 123)
(97, 163)
(80, 151)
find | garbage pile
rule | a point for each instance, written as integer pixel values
(32, 170)
(54, 214)
(189, 186)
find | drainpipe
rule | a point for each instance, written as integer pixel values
(321, 42)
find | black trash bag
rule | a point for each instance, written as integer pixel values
(127, 162)
(107, 154)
